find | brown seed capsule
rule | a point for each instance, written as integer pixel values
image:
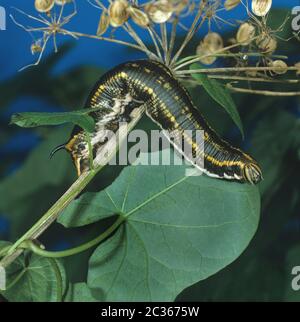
(266, 43)
(103, 23)
(261, 7)
(139, 17)
(280, 67)
(118, 13)
(231, 4)
(214, 41)
(159, 11)
(245, 34)
(204, 50)
(35, 48)
(43, 5)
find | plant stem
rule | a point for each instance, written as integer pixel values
(232, 69)
(261, 92)
(50, 216)
(124, 43)
(29, 244)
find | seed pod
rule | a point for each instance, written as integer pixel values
(35, 48)
(261, 7)
(159, 11)
(43, 5)
(203, 50)
(231, 4)
(103, 23)
(139, 17)
(280, 67)
(266, 44)
(245, 34)
(118, 13)
(214, 41)
(298, 69)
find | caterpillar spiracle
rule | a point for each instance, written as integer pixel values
(168, 103)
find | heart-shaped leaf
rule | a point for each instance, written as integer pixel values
(178, 230)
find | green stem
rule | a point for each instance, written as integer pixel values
(59, 281)
(29, 244)
(51, 215)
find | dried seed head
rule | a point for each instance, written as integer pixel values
(43, 5)
(280, 67)
(231, 4)
(266, 43)
(139, 17)
(118, 13)
(298, 69)
(204, 50)
(103, 23)
(35, 48)
(159, 11)
(245, 34)
(214, 41)
(211, 43)
(261, 7)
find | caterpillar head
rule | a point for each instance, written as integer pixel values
(252, 173)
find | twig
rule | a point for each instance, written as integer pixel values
(247, 79)
(189, 35)
(232, 69)
(261, 92)
(124, 43)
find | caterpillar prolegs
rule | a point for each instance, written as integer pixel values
(168, 103)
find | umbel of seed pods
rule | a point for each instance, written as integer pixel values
(119, 12)
(264, 42)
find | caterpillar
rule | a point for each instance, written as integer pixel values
(168, 104)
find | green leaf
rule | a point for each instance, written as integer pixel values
(178, 230)
(80, 292)
(33, 119)
(220, 94)
(40, 280)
